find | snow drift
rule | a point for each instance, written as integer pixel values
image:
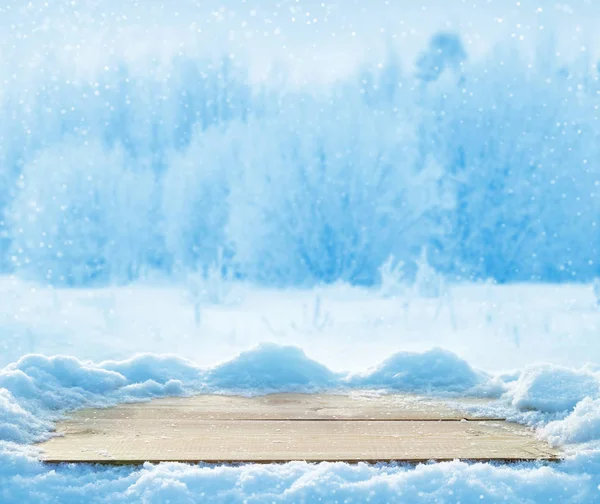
(271, 368)
(36, 390)
(436, 369)
(581, 426)
(296, 482)
(553, 388)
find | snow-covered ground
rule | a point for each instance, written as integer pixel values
(293, 143)
(532, 348)
(496, 328)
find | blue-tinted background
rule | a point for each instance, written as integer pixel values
(295, 142)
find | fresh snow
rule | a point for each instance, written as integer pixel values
(561, 401)
(26, 481)
(554, 388)
(209, 177)
(493, 327)
(37, 389)
(435, 369)
(42, 388)
(334, 338)
(582, 425)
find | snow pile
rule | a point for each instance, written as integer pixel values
(157, 368)
(581, 426)
(269, 368)
(552, 389)
(17, 424)
(37, 389)
(25, 481)
(436, 369)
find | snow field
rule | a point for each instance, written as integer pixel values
(560, 399)
(36, 389)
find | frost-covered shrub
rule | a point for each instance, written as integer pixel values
(428, 282)
(82, 215)
(445, 51)
(491, 161)
(314, 317)
(195, 199)
(521, 144)
(328, 190)
(596, 291)
(212, 284)
(7, 186)
(392, 277)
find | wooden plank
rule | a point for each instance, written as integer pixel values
(284, 440)
(333, 428)
(287, 407)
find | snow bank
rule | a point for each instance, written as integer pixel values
(581, 426)
(436, 369)
(157, 368)
(16, 424)
(552, 389)
(36, 389)
(270, 367)
(25, 481)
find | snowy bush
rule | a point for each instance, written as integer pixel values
(519, 144)
(392, 277)
(491, 161)
(195, 200)
(428, 282)
(596, 291)
(326, 202)
(82, 215)
(210, 285)
(445, 51)
(314, 317)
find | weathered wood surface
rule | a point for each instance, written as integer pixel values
(285, 427)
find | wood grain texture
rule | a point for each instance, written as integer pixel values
(285, 427)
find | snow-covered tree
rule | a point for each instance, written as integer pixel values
(328, 190)
(82, 215)
(444, 52)
(195, 198)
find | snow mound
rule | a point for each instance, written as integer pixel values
(23, 480)
(37, 389)
(36, 373)
(156, 368)
(16, 423)
(435, 370)
(551, 389)
(270, 367)
(581, 426)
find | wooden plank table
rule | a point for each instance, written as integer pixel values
(285, 427)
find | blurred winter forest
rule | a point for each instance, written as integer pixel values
(491, 165)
